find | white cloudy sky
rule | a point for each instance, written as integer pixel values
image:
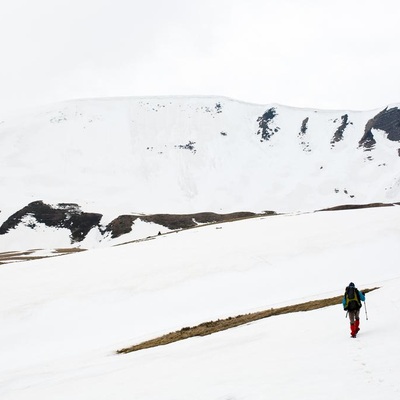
(307, 53)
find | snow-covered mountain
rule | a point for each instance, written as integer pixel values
(104, 158)
(101, 172)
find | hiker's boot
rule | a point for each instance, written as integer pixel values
(353, 330)
(357, 325)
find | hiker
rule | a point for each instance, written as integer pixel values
(352, 303)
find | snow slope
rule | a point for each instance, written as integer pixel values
(191, 154)
(63, 318)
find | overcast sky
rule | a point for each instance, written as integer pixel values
(341, 54)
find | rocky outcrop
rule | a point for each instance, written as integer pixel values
(123, 224)
(62, 215)
(338, 135)
(265, 130)
(303, 130)
(388, 120)
(70, 216)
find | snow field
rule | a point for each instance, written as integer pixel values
(63, 318)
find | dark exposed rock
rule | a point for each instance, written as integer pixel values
(367, 141)
(120, 225)
(303, 128)
(63, 215)
(263, 122)
(387, 120)
(188, 146)
(338, 135)
(70, 216)
(123, 224)
(302, 133)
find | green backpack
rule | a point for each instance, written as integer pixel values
(352, 299)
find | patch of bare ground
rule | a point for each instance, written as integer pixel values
(357, 206)
(123, 224)
(17, 256)
(68, 250)
(12, 256)
(208, 328)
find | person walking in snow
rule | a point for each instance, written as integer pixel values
(352, 303)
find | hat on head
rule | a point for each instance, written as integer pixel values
(351, 284)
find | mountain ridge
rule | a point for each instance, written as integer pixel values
(187, 155)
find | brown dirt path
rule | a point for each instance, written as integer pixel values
(208, 328)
